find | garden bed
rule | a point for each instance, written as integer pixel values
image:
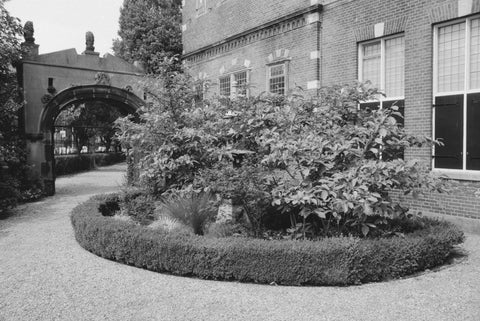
(331, 261)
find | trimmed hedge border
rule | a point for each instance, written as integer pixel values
(333, 261)
(71, 164)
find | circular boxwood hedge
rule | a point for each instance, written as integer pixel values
(332, 261)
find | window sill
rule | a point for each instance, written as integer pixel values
(457, 174)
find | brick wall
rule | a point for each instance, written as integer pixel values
(296, 45)
(225, 18)
(463, 200)
(343, 24)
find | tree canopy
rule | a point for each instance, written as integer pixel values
(150, 30)
(15, 182)
(10, 30)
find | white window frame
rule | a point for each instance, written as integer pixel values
(455, 173)
(285, 76)
(229, 78)
(382, 41)
(233, 84)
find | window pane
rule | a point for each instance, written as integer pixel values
(225, 86)
(451, 57)
(371, 63)
(241, 82)
(475, 55)
(394, 67)
(277, 85)
(277, 70)
(277, 79)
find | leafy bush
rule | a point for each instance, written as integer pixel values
(320, 158)
(194, 210)
(331, 261)
(132, 203)
(16, 184)
(9, 195)
(110, 206)
(245, 186)
(140, 208)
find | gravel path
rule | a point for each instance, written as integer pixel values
(46, 275)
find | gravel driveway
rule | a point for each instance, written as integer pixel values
(46, 275)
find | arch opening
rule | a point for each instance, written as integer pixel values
(43, 157)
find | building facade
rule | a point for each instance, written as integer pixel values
(424, 55)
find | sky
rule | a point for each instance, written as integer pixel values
(62, 24)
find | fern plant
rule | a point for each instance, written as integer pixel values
(194, 210)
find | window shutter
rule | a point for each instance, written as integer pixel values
(449, 129)
(473, 131)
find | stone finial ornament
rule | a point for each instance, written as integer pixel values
(28, 32)
(89, 40)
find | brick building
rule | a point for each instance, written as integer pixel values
(424, 54)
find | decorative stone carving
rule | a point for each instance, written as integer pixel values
(89, 41)
(46, 98)
(102, 78)
(52, 90)
(29, 47)
(128, 88)
(28, 32)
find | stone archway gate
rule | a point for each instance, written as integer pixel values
(50, 82)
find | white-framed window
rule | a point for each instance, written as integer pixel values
(234, 84)
(201, 7)
(225, 86)
(456, 98)
(382, 62)
(241, 83)
(277, 78)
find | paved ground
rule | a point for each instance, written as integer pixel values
(46, 275)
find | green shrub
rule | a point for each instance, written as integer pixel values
(316, 156)
(332, 261)
(9, 194)
(110, 205)
(140, 208)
